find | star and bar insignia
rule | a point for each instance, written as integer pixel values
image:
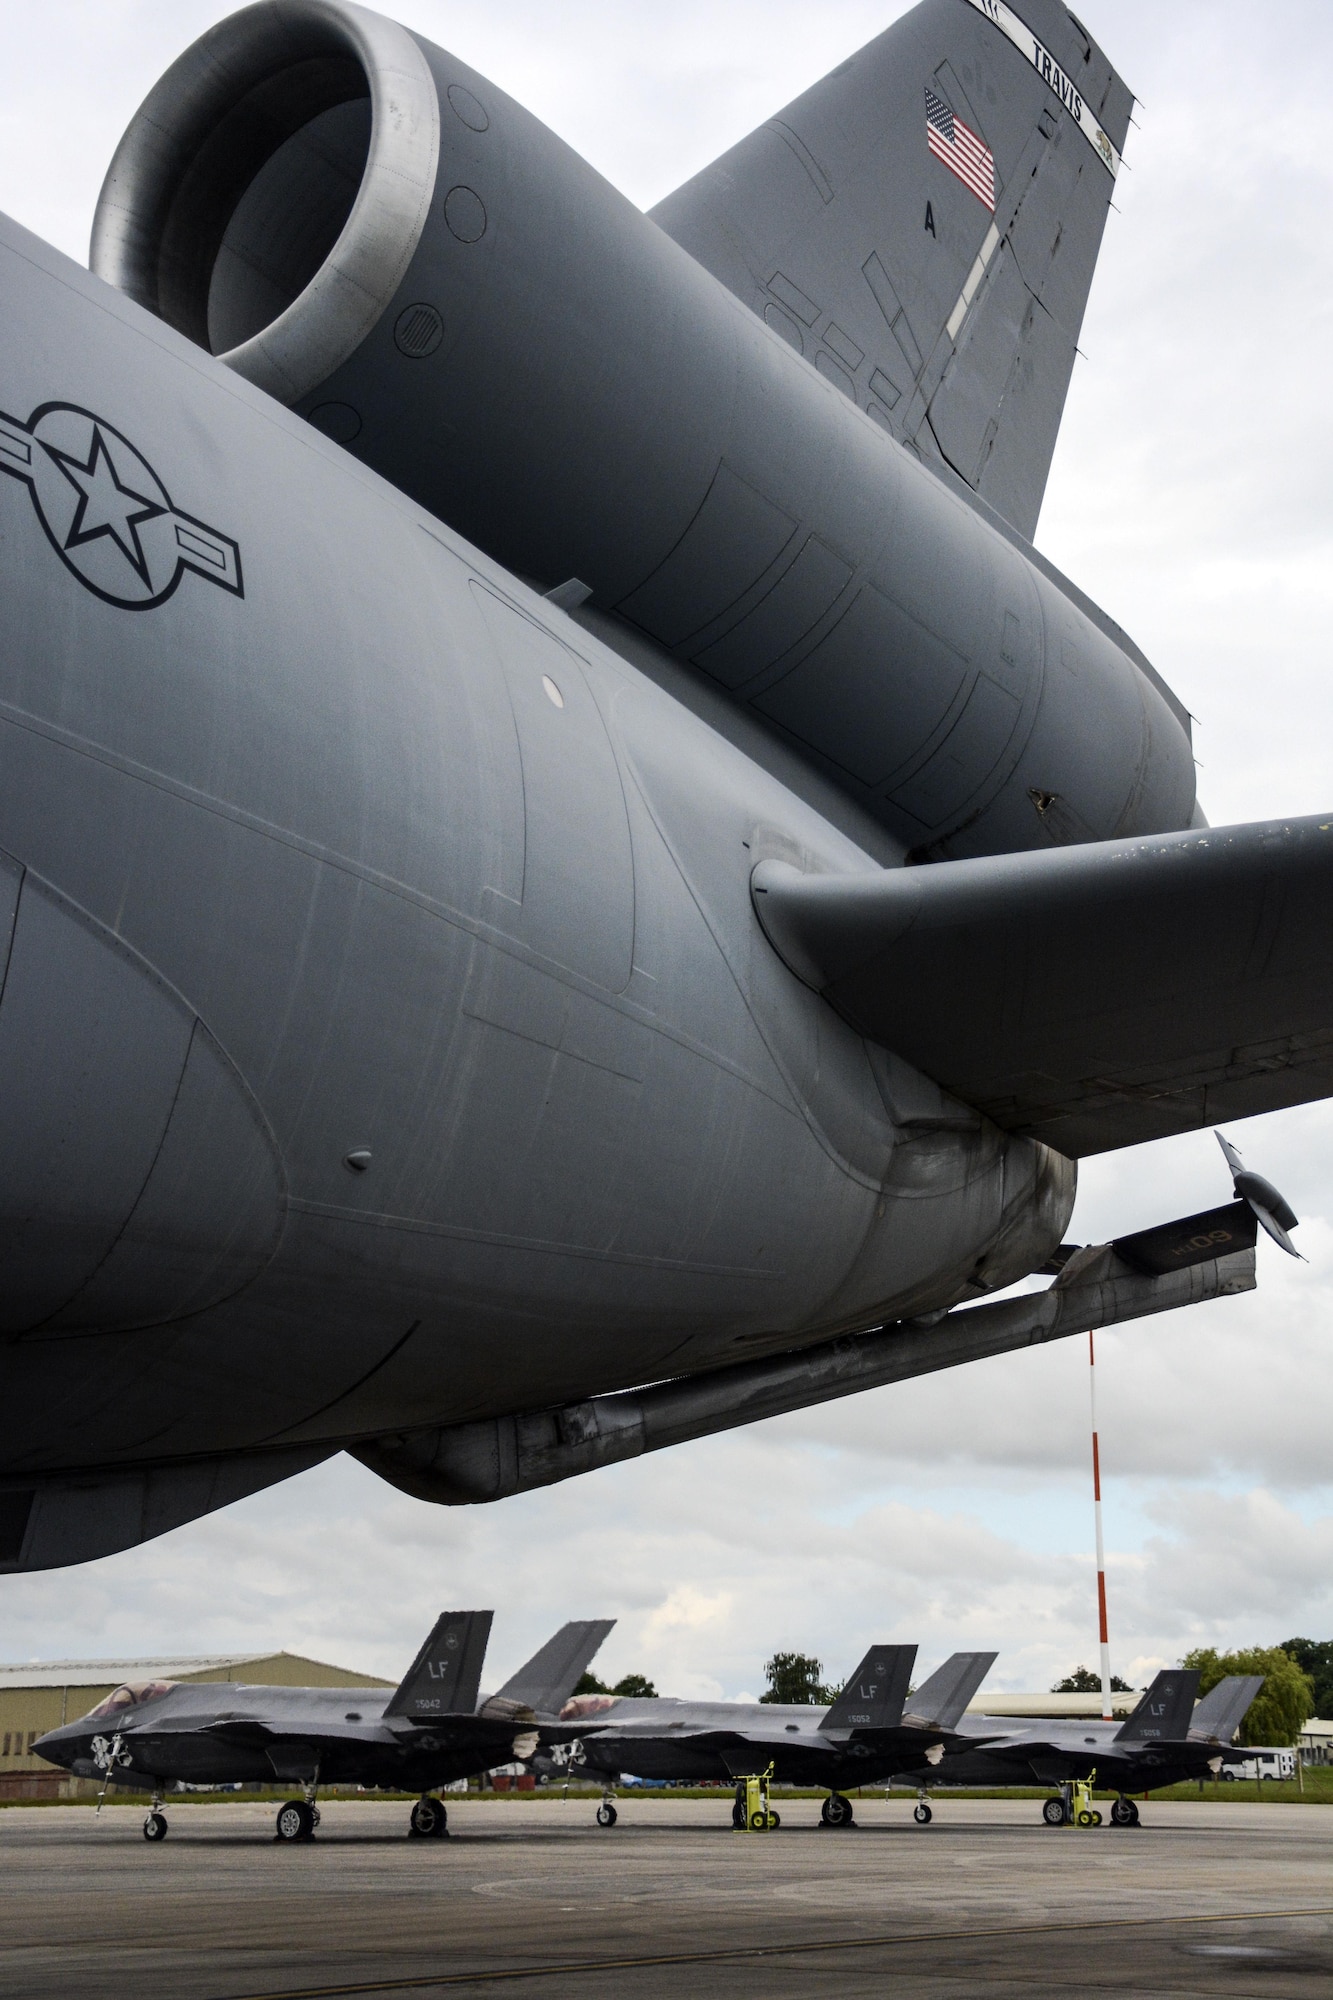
(105, 511)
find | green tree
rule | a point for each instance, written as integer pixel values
(1284, 1703)
(634, 1685)
(1084, 1681)
(795, 1680)
(637, 1687)
(1315, 1658)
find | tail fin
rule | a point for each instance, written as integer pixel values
(873, 1698)
(940, 1701)
(1223, 1709)
(445, 1677)
(923, 225)
(548, 1679)
(1164, 1713)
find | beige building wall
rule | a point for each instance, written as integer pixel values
(65, 1691)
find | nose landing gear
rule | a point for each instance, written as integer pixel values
(921, 1811)
(606, 1811)
(298, 1819)
(155, 1826)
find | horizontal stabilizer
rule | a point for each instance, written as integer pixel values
(1178, 1246)
(873, 1697)
(1224, 1707)
(445, 1677)
(940, 1701)
(550, 1676)
(1094, 996)
(1163, 1716)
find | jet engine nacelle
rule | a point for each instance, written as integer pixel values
(383, 240)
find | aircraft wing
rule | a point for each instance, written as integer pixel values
(1094, 996)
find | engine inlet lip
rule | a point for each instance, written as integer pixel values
(327, 322)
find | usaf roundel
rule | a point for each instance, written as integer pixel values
(106, 513)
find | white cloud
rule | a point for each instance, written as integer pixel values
(1190, 496)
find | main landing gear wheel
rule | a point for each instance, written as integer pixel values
(1124, 1813)
(1053, 1812)
(922, 1814)
(155, 1827)
(836, 1811)
(606, 1814)
(738, 1809)
(295, 1821)
(428, 1818)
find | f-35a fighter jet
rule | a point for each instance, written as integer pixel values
(556, 833)
(1167, 1740)
(872, 1731)
(431, 1729)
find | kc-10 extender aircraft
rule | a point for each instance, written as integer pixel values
(556, 834)
(428, 1730)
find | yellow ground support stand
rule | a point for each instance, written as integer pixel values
(759, 1814)
(1082, 1811)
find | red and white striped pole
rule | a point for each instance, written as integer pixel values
(1101, 1550)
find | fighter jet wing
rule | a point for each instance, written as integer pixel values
(1091, 996)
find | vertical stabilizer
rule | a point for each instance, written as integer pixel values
(548, 1679)
(923, 226)
(445, 1677)
(1224, 1707)
(940, 1700)
(873, 1698)
(1165, 1711)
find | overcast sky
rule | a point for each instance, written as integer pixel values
(1191, 496)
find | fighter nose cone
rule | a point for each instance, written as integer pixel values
(62, 1746)
(138, 1180)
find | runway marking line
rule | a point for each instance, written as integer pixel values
(735, 1953)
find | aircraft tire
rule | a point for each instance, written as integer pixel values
(1053, 1812)
(738, 1816)
(155, 1827)
(1124, 1813)
(295, 1821)
(607, 1815)
(922, 1814)
(428, 1818)
(836, 1811)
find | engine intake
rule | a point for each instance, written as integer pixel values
(271, 191)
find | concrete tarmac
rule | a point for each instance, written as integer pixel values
(532, 1897)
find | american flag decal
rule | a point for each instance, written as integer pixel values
(958, 146)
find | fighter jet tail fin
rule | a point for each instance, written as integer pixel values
(941, 1699)
(924, 224)
(1164, 1713)
(873, 1697)
(548, 1679)
(1090, 996)
(445, 1677)
(1224, 1707)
